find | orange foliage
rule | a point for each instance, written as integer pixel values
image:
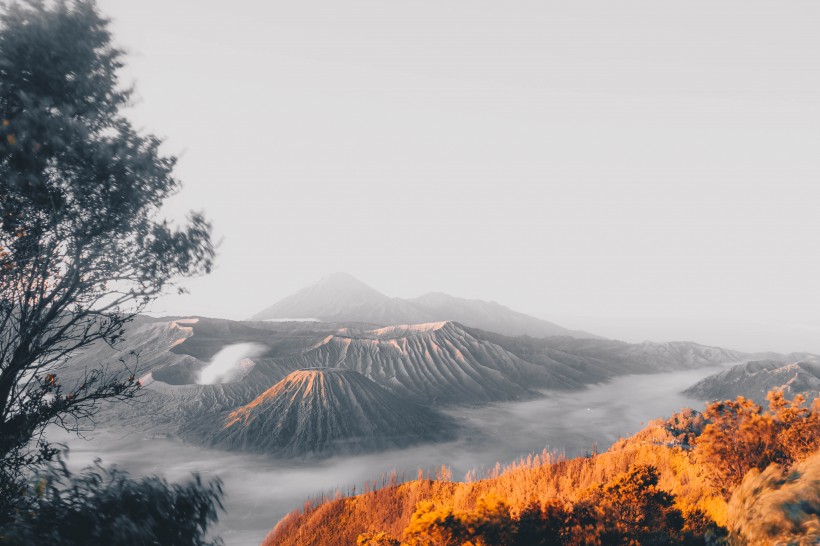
(489, 523)
(376, 539)
(741, 436)
(663, 485)
(630, 509)
(778, 506)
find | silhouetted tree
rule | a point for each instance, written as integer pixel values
(542, 525)
(101, 506)
(82, 249)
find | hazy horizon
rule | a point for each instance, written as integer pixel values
(748, 335)
(639, 170)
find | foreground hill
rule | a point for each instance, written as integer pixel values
(343, 298)
(736, 474)
(755, 379)
(328, 412)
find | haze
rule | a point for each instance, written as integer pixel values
(634, 169)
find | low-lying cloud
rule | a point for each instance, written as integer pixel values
(231, 363)
(261, 490)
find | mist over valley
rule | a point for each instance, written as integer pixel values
(260, 490)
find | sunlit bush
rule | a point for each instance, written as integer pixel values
(667, 484)
(778, 506)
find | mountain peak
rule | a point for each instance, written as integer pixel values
(329, 297)
(341, 297)
(340, 279)
(324, 411)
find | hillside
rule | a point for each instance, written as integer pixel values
(343, 298)
(324, 412)
(755, 379)
(690, 479)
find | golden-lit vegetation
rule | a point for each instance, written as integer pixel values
(778, 505)
(736, 474)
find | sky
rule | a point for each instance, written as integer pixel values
(639, 169)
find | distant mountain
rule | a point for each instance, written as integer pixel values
(322, 412)
(328, 299)
(598, 360)
(343, 298)
(754, 379)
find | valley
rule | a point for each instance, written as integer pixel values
(260, 490)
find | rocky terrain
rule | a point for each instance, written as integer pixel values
(439, 362)
(321, 412)
(756, 378)
(197, 372)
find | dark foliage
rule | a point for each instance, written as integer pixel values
(102, 506)
(82, 246)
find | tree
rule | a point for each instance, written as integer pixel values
(631, 509)
(101, 506)
(799, 427)
(739, 436)
(780, 505)
(431, 526)
(83, 248)
(543, 525)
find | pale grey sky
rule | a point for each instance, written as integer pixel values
(639, 169)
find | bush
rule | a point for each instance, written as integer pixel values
(106, 506)
(741, 437)
(778, 506)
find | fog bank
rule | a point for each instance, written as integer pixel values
(260, 490)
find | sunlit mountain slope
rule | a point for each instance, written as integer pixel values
(328, 412)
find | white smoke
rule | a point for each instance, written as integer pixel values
(231, 363)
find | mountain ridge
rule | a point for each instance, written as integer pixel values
(440, 363)
(436, 365)
(756, 378)
(341, 297)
